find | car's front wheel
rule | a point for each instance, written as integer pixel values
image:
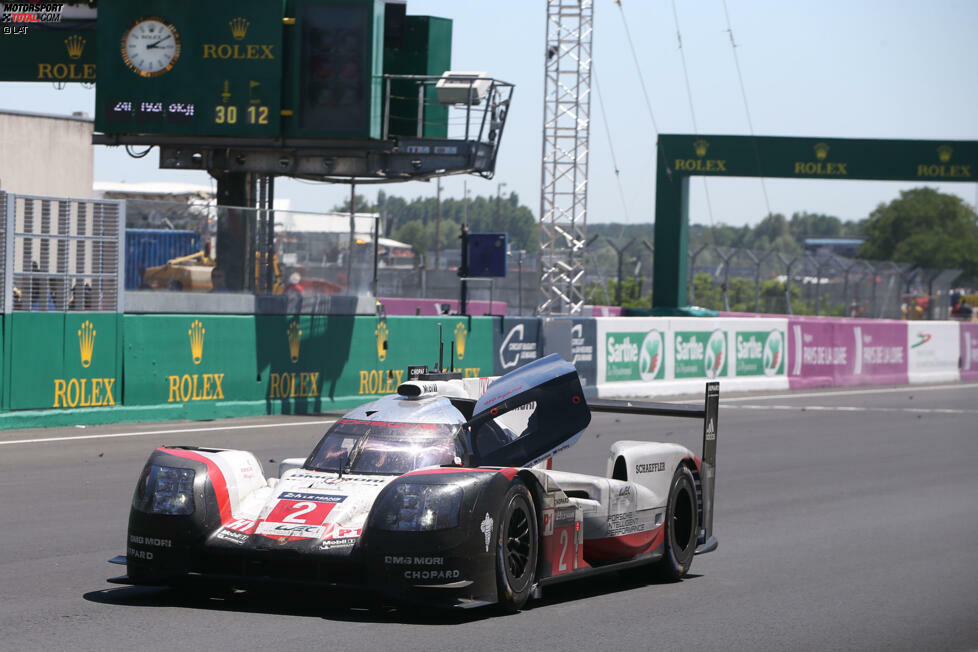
(516, 548)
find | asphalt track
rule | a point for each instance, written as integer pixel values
(847, 519)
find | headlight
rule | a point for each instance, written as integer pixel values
(165, 490)
(419, 507)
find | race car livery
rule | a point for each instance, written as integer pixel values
(438, 494)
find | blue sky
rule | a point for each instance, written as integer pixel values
(832, 68)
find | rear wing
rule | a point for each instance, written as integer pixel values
(708, 413)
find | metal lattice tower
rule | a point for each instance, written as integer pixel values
(566, 123)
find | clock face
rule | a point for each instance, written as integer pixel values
(150, 47)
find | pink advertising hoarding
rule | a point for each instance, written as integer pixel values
(402, 306)
(826, 352)
(969, 350)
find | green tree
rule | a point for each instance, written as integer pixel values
(360, 205)
(924, 227)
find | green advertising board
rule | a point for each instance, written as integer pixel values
(196, 361)
(292, 363)
(700, 354)
(48, 53)
(63, 360)
(635, 356)
(681, 156)
(759, 353)
(193, 68)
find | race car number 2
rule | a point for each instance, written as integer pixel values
(303, 512)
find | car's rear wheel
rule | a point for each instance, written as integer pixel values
(681, 526)
(516, 548)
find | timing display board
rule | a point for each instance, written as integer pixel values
(190, 68)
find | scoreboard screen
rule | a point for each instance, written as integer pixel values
(190, 68)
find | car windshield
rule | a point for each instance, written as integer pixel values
(390, 448)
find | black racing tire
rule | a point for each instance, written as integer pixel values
(682, 527)
(517, 546)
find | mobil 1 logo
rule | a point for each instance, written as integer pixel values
(759, 353)
(700, 354)
(635, 356)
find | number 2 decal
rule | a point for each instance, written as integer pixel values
(301, 509)
(564, 540)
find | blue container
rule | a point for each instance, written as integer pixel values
(153, 247)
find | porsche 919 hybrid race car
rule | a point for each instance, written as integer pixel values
(436, 495)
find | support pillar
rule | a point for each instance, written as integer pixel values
(670, 265)
(236, 228)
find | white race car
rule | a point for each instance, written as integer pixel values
(433, 495)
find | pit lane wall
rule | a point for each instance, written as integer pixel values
(80, 368)
(649, 357)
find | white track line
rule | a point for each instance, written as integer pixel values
(848, 392)
(842, 408)
(167, 432)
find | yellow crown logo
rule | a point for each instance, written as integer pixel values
(700, 146)
(86, 342)
(460, 339)
(75, 45)
(944, 153)
(821, 151)
(196, 334)
(381, 333)
(295, 339)
(239, 27)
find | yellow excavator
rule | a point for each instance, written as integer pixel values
(192, 273)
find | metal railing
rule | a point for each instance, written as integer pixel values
(62, 254)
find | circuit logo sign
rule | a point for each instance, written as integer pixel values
(651, 357)
(700, 354)
(759, 353)
(634, 356)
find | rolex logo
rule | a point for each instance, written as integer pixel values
(295, 339)
(381, 333)
(700, 146)
(239, 27)
(460, 333)
(196, 333)
(86, 342)
(944, 153)
(75, 45)
(821, 151)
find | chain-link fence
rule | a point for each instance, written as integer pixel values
(61, 254)
(294, 252)
(742, 280)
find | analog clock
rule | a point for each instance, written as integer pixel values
(150, 46)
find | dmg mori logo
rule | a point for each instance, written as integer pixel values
(381, 333)
(460, 335)
(75, 45)
(239, 27)
(295, 340)
(86, 343)
(196, 334)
